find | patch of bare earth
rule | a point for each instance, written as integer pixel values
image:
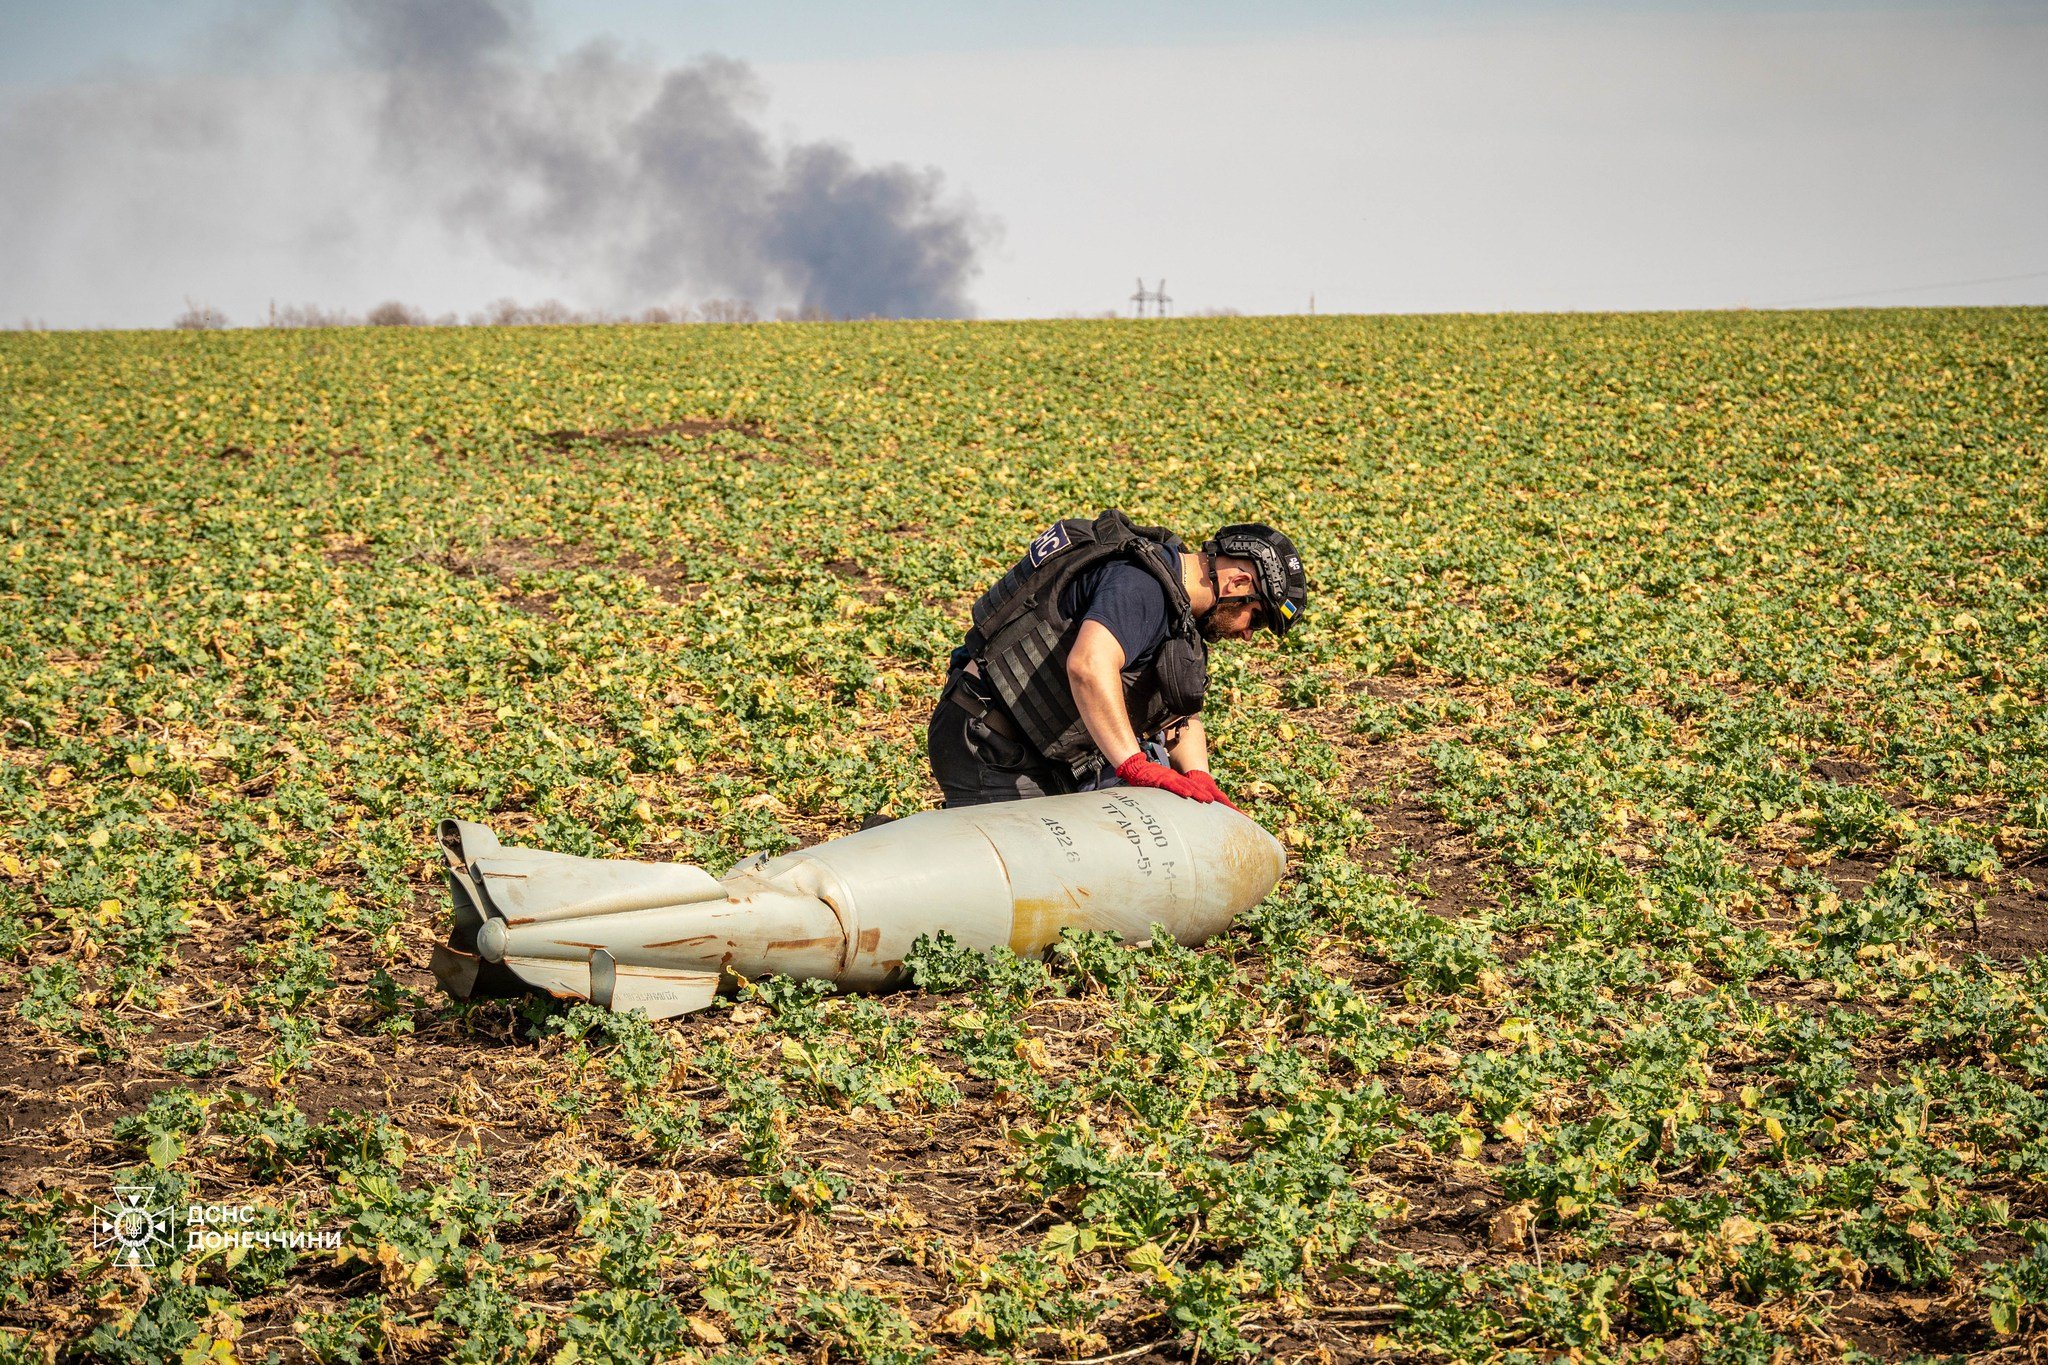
(2004, 919)
(671, 436)
(504, 557)
(1417, 847)
(1408, 840)
(2009, 919)
(869, 586)
(568, 437)
(1898, 1325)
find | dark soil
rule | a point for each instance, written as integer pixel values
(2012, 924)
(1417, 846)
(629, 436)
(1894, 1326)
(864, 582)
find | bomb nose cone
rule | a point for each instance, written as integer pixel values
(1236, 863)
(1242, 862)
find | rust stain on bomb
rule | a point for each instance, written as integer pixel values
(1245, 874)
(1036, 921)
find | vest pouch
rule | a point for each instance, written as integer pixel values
(1182, 668)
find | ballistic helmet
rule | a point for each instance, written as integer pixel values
(1276, 570)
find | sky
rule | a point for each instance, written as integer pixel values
(1012, 159)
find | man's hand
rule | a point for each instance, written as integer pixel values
(1206, 785)
(1140, 771)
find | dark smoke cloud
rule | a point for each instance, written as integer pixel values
(661, 180)
(627, 182)
(397, 35)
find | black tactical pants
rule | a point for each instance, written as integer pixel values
(975, 765)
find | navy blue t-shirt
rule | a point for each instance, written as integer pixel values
(1129, 602)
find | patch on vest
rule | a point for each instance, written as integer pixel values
(1049, 543)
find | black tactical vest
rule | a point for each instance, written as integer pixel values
(1022, 641)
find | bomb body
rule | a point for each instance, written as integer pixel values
(662, 937)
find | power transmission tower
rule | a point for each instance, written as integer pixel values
(1159, 298)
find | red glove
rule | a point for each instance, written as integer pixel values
(1209, 790)
(1140, 771)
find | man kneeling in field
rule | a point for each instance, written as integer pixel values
(1098, 635)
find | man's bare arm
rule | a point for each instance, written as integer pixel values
(1095, 674)
(1190, 748)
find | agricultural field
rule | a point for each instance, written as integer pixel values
(1663, 763)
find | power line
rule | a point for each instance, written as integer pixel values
(1879, 266)
(1907, 289)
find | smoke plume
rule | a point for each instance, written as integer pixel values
(602, 173)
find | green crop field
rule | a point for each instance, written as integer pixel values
(1663, 763)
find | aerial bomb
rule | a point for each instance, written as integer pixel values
(664, 937)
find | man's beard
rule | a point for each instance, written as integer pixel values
(1207, 626)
